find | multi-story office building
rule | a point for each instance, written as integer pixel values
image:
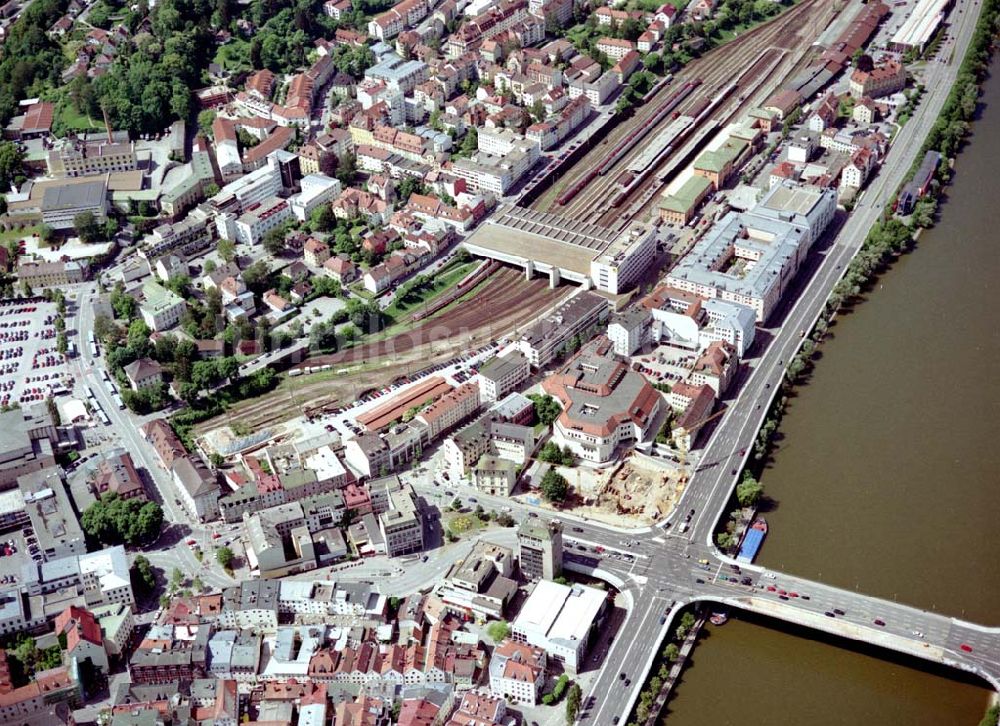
(539, 549)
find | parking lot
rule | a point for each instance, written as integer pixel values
(14, 554)
(665, 364)
(30, 367)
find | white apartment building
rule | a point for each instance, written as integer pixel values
(317, 189)
(251, 226)
(161, 309)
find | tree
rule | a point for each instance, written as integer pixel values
(224, 555)
(554, 486)
(547, 409)
(573, 700)
(87, 228)
(552, 454)
(748, 491)
(11, 164)
(346, 168)
(498, 630)
(687, 622)
(671, 652)
(328, 164)
(323, 219)
(227, 250)
(274, 241)
(112, 520)
(257, 276)
(205, 120)
(143, 578)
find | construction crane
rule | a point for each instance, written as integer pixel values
(685, 438)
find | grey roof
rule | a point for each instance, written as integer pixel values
(194, 476)
(631, 319)
(499, 366)
(74, 196)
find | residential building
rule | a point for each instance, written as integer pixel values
(517, 672)
(47, 690)
(116, 474)
(39, 275)
(161, 309)
(401, 524)
(629, 331)
(450, 410)
(197, 488)
(251, 227)
(84, 641)
(715, 367)
(143, 373)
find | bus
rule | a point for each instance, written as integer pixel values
(118, 401)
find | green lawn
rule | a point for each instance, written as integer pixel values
(16, 234)
(443, 281)
(76, 121)
(234, 55)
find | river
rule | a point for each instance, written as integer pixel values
(886, 479)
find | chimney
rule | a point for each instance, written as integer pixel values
(107, 124)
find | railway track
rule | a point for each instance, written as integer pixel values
(715, 71)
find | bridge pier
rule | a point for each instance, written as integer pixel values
(554, 278)
(529, 269)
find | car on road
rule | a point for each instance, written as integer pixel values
(966, 647)
(880, 622)
(829, 614)
(621, 676)
(577, 529)
(192, 542)
(699, 581)
(839, 611)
